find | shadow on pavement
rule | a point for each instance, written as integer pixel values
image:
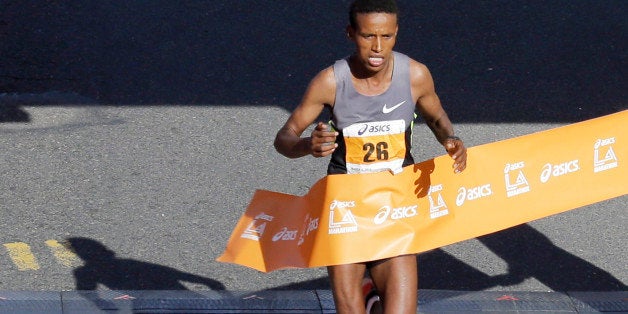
(529, 254)
(493, 61)
(102, 267)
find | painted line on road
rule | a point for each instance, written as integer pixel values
(63, 253)
(24, 259)
(21, 255)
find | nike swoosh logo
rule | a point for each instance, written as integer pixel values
(389, 110)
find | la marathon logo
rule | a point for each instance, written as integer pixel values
(438, 208)
(604, 155)
(255, 229)
(341, 219)
(520, 184)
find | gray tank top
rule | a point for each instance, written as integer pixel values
(375, 131)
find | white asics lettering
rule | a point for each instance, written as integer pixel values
(389, 110)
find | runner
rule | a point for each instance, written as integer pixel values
(373, 95)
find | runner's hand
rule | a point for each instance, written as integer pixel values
(455, 148)
(323, 142)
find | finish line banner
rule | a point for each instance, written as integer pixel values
(363, 217)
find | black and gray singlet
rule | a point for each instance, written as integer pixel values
(375, 131)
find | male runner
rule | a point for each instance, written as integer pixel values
(376, 86)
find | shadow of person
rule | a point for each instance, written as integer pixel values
(101, 266)
(529, 253)
(439, 270)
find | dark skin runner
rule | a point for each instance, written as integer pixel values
(374, 37)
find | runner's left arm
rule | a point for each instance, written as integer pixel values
(429, 106)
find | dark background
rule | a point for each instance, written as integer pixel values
(493, 61)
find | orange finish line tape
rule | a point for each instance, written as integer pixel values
(362, 217)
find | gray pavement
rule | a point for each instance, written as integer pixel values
(160, 189)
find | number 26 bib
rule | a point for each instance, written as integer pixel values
(375, 146)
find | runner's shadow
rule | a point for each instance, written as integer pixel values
(530, 254)
(101, 266)
(440, 270)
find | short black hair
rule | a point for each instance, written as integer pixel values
(371, 6)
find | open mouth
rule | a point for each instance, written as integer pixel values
(376, 61)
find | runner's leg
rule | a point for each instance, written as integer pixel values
(346, 285)
(396, 281)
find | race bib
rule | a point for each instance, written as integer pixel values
(375, 146)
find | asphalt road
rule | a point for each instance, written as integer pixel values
(162, 187)
(138, 133)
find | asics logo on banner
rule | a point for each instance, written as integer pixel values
(341, 204)
(550, 170)
(264, 216)
(309, 224)
(470, 194)
(255, 229)
(382, 128)
(341, 219)
(520, 184)
(438, 207)
(397, 213)
(285, 235)
(609, 160)
(387, 110)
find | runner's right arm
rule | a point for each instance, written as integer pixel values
(288, 141)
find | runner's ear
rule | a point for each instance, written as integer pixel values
(350, 32)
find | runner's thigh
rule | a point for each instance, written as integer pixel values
(396, 282)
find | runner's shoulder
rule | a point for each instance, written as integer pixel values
(326, 77)
(323, 86)
(419, 73)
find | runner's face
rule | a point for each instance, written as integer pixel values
(374, 36)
